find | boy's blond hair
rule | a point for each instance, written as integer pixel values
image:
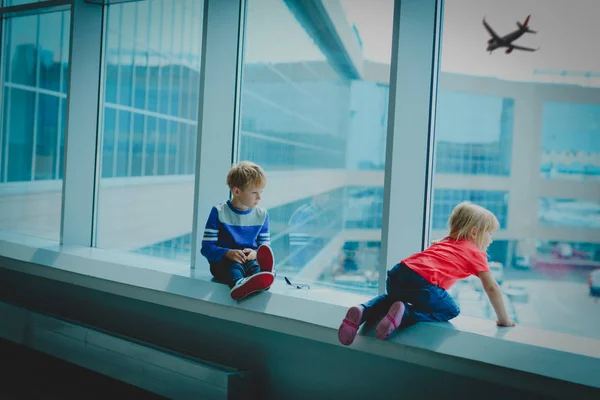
(467, 216)
(246, 174)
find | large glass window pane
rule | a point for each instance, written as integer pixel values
(35, 56)
(152, 66)
(314, 115)
(517, 131)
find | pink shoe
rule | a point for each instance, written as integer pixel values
(391, 321)
(349, 327)
(266, 259)
(252, 284)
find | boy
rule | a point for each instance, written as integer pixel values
(236, 238)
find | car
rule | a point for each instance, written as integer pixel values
(594, 282)
(522, 262)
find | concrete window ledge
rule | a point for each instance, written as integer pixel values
(466, 346)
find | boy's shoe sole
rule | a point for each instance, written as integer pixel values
(252, 284)
(266, 259)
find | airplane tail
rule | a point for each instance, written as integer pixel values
(525, 26)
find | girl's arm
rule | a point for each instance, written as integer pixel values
(495, 295)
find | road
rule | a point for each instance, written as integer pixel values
(557, 301)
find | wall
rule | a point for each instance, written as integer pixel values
(285, 367)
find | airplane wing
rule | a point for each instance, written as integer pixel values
(490, 30)
(523, 48)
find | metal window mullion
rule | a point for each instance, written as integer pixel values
(81, 133)
(133, 77)
(170, 89)
(146, 97)
(60, 105)
(218, 109)
(3, 54)
(7, 139)
(118, 94)
(36, 101)
(181, 86)
(413, 81)
(189, 129)
(158, 91)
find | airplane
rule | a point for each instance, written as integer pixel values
(507, 40)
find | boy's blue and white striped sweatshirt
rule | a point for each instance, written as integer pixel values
(228, 228)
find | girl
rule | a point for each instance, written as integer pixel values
(417, 287)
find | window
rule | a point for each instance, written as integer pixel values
(473, 134)
(311, 120)
(571, 148)
(446, 199)
(569, 213)
(517, 132)
(35, 51)
(150, 113)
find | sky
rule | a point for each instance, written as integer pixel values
(568, 32)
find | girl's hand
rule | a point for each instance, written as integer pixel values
(505, 323)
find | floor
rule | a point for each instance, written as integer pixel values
(29, 374)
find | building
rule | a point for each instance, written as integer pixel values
(315, 115)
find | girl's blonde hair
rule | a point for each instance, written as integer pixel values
(246, 174)
(467, 216)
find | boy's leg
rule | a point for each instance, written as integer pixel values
(251, 268)
(227, 272)
(265, 258)
(252, 284)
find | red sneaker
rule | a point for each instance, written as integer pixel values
(252, 284)
(266, 259)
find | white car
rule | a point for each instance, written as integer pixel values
(523, 262)
(594, 283)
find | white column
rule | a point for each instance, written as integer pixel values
(413, 79)
(523, 201)
(220, 79)
(81, 135)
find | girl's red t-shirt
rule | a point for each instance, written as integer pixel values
(445, 262)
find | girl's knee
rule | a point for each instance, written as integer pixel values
(455, 311)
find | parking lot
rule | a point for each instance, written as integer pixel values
(551, 300)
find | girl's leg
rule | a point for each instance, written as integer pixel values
(405, 287)
(355, 316)
(391, 321)
(433, 305)
(375, 309)
(350, 324)
(428, 304)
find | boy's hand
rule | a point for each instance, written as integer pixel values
(237, 256)
(250, 254)
(505, 323)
